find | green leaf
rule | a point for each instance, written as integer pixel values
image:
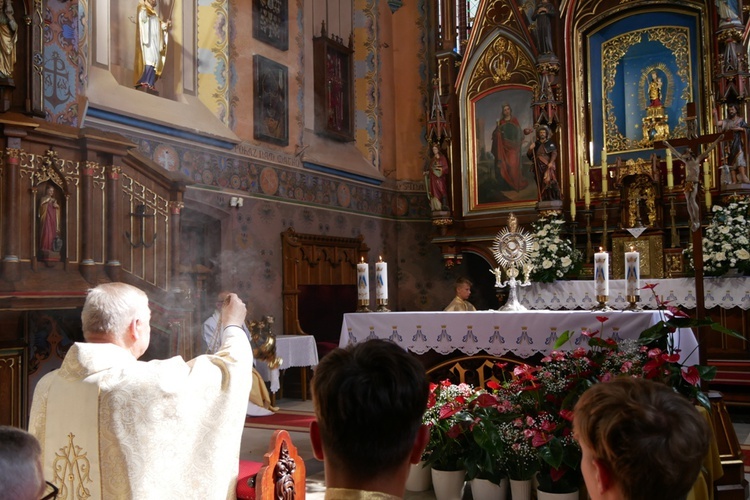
(563, 338)
(552, 452)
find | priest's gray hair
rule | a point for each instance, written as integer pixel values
(21, 474)
(110, 308)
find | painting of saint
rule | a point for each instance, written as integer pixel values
(503, 131)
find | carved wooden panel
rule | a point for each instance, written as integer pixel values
(12, 383)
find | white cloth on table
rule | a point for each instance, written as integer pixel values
(295, 351)
(163, 428)
(579, 294)
(497, 333)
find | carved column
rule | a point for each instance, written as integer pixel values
(175, 209)
(87, 268)
(11, 262)
(113, 226)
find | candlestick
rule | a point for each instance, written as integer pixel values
(601, 279)
(605, 174)
(707, 183)
(670, 174)
(363, 287)
(381, 285)
(632, 278)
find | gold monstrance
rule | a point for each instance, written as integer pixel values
(512, 249)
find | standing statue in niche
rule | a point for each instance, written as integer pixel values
(692, 179)
(543, 15)
(736, 160)
(436, 182)
(151, 37)
(8, 39)
(50, 242)
(654, 90)
(727, 11)
(544, 155)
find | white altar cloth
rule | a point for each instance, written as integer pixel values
(521, 333)
(295, 351)
(723, 292)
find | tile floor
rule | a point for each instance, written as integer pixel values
(255, 444)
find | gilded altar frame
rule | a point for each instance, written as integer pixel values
(501, 72)
(603, 50)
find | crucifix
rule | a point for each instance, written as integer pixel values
(691, 158)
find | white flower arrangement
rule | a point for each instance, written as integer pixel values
(725, 244)
(552, 255)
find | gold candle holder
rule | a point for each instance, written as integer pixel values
(363, 306)
(602, 303)
(382, 303)
(633, 303)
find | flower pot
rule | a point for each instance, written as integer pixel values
(420, 478)
(484, 489)
(543, 495)
(521, 489)
(448, 484)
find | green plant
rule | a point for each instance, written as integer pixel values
(449, 421)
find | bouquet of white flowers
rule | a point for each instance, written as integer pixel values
(726, 244)
(552, 255)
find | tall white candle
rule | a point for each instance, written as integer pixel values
(363, 288)
(605, 178)
(586, 182)
(707, 184)
(632, 272)
(601, 272)
(670, 171)
(381, 279)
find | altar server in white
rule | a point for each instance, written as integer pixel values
(115, 427)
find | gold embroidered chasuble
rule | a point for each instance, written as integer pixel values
(122, 428)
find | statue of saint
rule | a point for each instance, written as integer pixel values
(151, 39)
(49, 224)
(544, 155)
(436, 181)
(8, 39)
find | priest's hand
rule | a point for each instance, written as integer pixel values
(233, 311)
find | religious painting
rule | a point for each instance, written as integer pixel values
(643, 74)
(271, 22)
(271, 101)
(500, 169)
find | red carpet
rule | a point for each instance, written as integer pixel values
(746, 458)
(283, 419)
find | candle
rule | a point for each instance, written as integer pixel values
(601, 272)
(591, 151)
(670, 175)
(707, 183)
(632, 272)
(363, 289)
(604, 178)
(586, 190)
(381, 280)
(572, 196)
(604, 157)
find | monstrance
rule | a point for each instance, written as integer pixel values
(512, 249)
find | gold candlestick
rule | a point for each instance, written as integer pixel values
(633, 303)
(602, 303)
(363, 306)
(382, 303)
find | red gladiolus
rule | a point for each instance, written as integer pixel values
(691, 375)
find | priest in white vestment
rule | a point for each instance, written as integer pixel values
(115, 427)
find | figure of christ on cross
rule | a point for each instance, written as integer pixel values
(697, 236)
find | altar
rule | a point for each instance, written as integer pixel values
(497, 333)
(718, 292)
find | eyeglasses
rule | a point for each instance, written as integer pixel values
(50, 491)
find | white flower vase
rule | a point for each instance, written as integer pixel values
(521, 489)
(543, 495)
(420, 478)
(484, 489)
(448, 484)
